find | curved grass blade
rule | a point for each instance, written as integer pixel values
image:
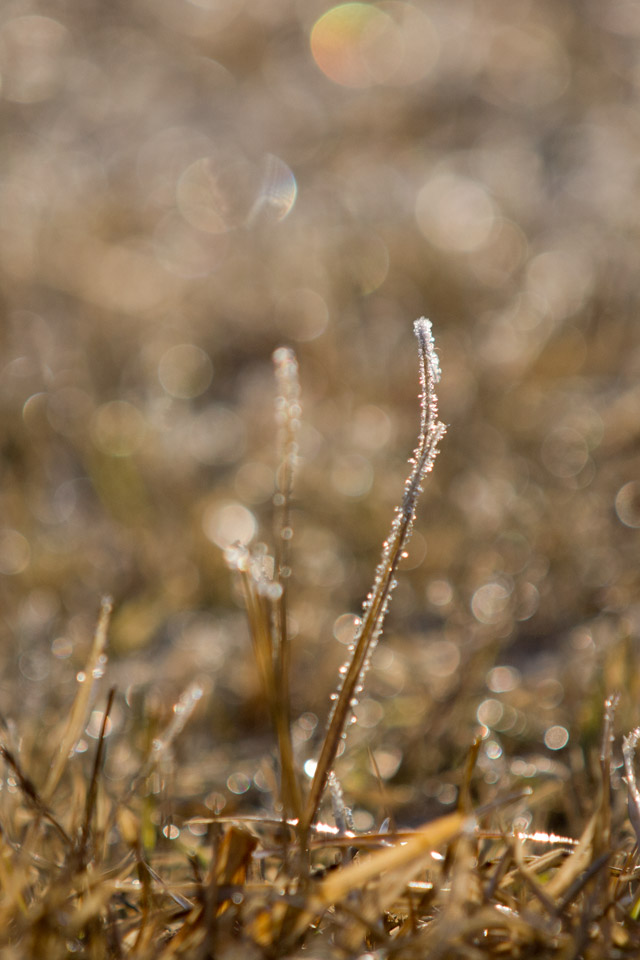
(377, 603)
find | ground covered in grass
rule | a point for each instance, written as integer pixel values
(186, 187)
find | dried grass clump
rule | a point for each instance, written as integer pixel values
(91, 869)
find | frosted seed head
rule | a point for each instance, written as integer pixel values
(424, 333)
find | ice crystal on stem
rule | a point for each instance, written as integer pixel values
(351, 678)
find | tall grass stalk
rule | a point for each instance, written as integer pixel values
(288, 418)
(377, 603)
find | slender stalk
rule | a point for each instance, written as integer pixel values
(92, 792)
(288, 416)
(76, 722)
(376, 604)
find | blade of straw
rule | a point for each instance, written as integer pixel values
(77, 719)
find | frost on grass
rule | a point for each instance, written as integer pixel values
(265, 578)
(369, 628)
(431, 431)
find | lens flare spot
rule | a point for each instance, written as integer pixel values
(228, 524)
(277, 193)
(490, 602)
(455, 214)
(628, 504)
(439, 593)
(185, 371)
(352, 475)
(216, 194)
(238, 783)
(94, 726)
(345, 627)
(443, 658)
(387, 762)
(564, 452)
(302, 314)
(15, 552)
(556, 738)
(490, 712)
(118, 428)
(356, 45)
(503, 679)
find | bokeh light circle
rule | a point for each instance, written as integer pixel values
(356, 44)
(216, 194)
(118, 428)
(228, 523)
(302, 314)
(15, 552)
(628, 504)
(490, 602)
(277, 192)
(185, 371)
(556, 737)
(454, 213)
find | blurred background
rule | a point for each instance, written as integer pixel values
(186, 185)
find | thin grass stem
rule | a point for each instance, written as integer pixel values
(376, 604)
(288, 416)
(76, 722)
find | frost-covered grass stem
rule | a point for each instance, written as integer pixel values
(376, 605)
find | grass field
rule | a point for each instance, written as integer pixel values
(190, 191)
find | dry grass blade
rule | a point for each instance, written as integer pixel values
(92, 792)
(288, 417)
(78, 716)
(182, 711)
(265, 581)
(603, 839)
(407, 855)
(258, 607)
(31, 794)
(592, 853)
(376, 605)
(576, 863)
(392, 868)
